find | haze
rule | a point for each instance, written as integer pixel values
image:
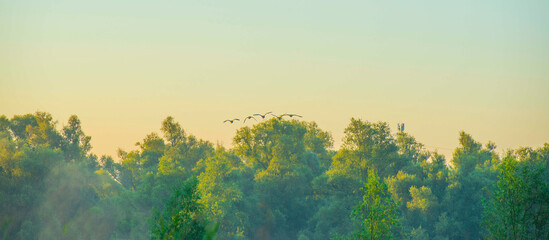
(123, 66)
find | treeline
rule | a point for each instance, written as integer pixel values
(281, 180)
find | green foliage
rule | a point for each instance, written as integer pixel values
(372, 143)
(280, 181)
(172, 130)
(422, 199)
(365, 146)
(286, 156)
(400, 186)
(409, 150)
(470, 154)
(152, 149)
(222, 192)
(77, 144)
(183, 216)
(280, 139)
(378, 212)
(519, 208)
(473, 170)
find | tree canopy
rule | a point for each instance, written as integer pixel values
(281, 179)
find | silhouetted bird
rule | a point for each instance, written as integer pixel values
(231, 120)
(249, 117)
(279, 117)
(262, 115)
(290, 115)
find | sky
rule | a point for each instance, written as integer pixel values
(440, 67)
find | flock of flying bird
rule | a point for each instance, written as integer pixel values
(263, 116)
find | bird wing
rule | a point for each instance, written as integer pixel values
(226, 121)
(297, 115)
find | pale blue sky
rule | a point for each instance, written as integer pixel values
(123, 66)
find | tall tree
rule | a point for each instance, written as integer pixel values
(519, 207)
(172, 130)
(378, 212)
(222, 195)
(77, 143)
(473, 169)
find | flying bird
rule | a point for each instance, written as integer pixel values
(279, 117)
(249, 117)
(262, 115)
(290, 115)
(231, 120)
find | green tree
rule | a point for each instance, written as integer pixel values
(152, 149)
(285, 156)
(221, 194)
(183, 152)
(519, 208)
(44, 133)
(470, 153)
(183, 216)
(77, 144)
(172, 130)
(366, 146)
(378, 212)
(409, 149)
(473, 169)
(18, 125)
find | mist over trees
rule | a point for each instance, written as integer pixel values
(281, 180)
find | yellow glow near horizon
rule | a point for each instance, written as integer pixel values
(438, 67)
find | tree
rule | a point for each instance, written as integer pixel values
(172, 130)
(409, 149)
(285, 157)
(473, 169)
(366, 146)
(44, 133)
(519, 208)
(182, 217)
(378, 212)
(470, 153)
(19, 123)
(77, 143)
(152, 150)
(221, 194)
(182, 153)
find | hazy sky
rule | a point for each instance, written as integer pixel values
(123, 66)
